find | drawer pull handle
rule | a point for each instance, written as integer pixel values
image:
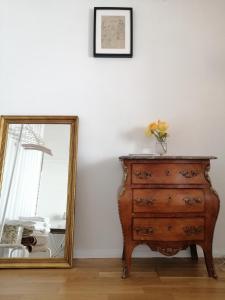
(144, 230)
(144, 201)
(189, 174)
(143, 174)
(192, 201)
(193, 230)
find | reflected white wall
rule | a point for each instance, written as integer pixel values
(54, 176)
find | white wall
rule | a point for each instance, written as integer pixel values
(177, 74)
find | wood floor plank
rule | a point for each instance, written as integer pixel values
(100, 279)
(152, 296)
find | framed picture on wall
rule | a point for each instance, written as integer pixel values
(113, 32)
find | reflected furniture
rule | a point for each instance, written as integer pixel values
(57, 237)
(31, 143)
(14, 247)
(167, 203)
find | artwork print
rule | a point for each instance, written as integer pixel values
(113, 32)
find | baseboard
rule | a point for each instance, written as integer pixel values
(117, 253)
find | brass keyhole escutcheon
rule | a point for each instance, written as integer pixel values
(169, 227)
(169, 199)
(167, 172)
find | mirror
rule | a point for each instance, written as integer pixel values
(37, 190)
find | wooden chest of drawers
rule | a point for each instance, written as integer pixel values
(168, 203)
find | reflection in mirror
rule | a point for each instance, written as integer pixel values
(33, 200)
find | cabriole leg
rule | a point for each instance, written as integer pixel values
(209, 263)
(194, 253)
(127, 252)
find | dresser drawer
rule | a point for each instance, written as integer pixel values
(168, 229)
(168, 200)
(168, 173)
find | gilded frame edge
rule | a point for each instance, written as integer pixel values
(67, 261)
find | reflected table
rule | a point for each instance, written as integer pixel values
(14, 247)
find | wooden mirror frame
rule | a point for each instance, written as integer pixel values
(65, 262)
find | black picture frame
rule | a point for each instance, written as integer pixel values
(113, 32)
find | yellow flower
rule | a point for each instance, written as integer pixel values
(153, 126)
(147, 131)
(150, 129)
(162, 126)
(158, 129)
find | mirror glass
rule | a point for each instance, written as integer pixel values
(34, 194)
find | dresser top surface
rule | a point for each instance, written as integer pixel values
(164, 157)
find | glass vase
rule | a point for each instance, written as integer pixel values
(161, 147)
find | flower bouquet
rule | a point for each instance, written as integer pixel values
(159, 130)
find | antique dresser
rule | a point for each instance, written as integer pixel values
(168, 203)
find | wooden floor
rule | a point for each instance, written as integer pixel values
(90, 279)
